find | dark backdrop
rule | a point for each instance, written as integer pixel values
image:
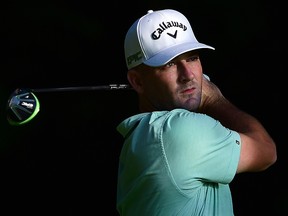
(64, 161)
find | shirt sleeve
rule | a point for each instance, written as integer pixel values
(199, 149)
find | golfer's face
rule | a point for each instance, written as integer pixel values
(176, 84)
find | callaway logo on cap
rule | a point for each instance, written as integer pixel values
(158, 37)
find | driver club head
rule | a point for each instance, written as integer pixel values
(22, 107)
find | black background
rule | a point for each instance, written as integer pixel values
(64, 161)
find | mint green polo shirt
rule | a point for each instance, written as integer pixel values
(176, 163)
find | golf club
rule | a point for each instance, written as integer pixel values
(23, 105)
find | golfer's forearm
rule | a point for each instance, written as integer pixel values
(232, 117)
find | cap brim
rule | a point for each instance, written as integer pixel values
(167, 55)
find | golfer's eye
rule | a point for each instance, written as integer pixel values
(170, 64)
(193, 58)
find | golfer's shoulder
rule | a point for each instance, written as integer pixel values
(182, 117)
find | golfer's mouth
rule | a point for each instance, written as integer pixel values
(188, 91)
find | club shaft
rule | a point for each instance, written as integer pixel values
(84, 88)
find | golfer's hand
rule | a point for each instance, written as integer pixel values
(211, 94)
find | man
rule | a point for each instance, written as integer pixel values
(187, 143)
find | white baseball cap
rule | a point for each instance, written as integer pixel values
(158, 37)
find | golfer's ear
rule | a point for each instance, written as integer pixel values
(134, 79)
